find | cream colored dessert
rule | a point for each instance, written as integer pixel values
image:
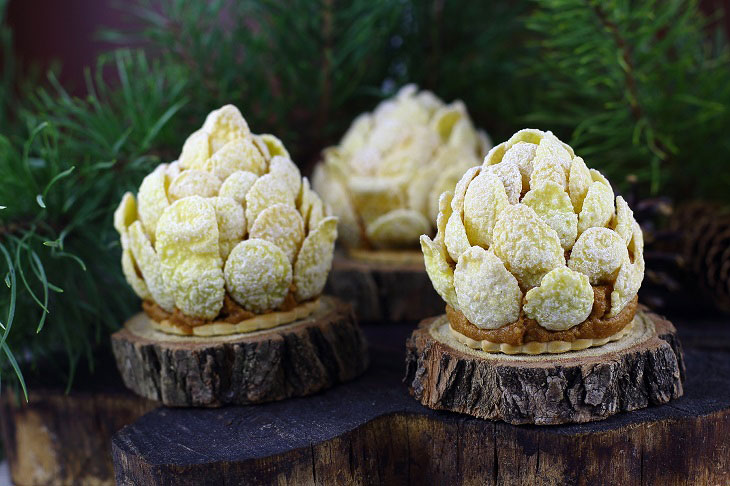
(384, 178)
(230, 232)
(532, 246)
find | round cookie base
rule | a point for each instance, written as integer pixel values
(644, 367)
(295, 359)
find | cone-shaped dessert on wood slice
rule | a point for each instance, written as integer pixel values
(539, 266)
(383, 181)
(229, 248)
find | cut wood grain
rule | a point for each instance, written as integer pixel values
(370, 431)
(643, 368)
(385, 287)
(296, 359)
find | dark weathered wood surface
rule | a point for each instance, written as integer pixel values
(64, 439)
(296, 359)
(384, 292)
(370, 431)
(643, 368)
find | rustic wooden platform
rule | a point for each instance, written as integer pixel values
(385, 289)
(296, 359)
(370, 431)
(645, 367)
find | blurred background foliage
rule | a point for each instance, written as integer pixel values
(640, 89)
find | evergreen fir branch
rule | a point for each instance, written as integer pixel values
(61, 184)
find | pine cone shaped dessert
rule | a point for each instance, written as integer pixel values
(384, 178)
(533, 253)
(228, 238)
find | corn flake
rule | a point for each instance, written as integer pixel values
(286, 169)
(446, 181)
(239, 154)
(224, 125)
(547, 168)
(195, 151)
(419, 189)
(598, 253)
(623, 220)
(275, 146)
(231, 223)
(439, 271)
(148, 263)
(457, 202)
(330, 186)
(282, 225)
(400, 227)
(446, 118)
(237, 185)
(579, 182)
(374, 196)
(133, 275)
(529, 135)
(627, 284)
(521, 154)
(564, 299)
(193, 182)
(495, 154)
(511, 179)
(597, 207)
(463, 134)
(553, 149)
(552, 204)
(152, 198)
(485, 199)
(488, 295)
(126, 213)
(265, 192)
(528, 247)
(455, 237)
(187, 245)
(444, 213)
(598, 177)
(315, 259)
(258, 275)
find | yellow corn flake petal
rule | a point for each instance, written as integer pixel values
(597, 207)
(419, 189)
(446, 118)
(528, 247)
(636, 245)
(511, 179)
(488, 295)
(275, 146)
(444, 213)
(598, 177)
(286, 169)
(283, 226)
(237, 185)
(455, 237)
(173, 170)
(398, 228)
(187, 244)
(579, 182)
(457, 202)
(564, 299)
(463, 134)
(553, 149)
(357, 135)
(152, 198)
(495, 154)
(485, 199)
(126, 213)
(336, 196)
(316, 211)
(258, 275)
(375, 196)
(315, 259)
(627, 284)
(149, 265)
(195, 151)
(547, 168)
(429, 101)
(133, 275)
(598, 253)
(623, 220)
(552, 204)
(265, 192)
(446, 181)
(529, 135)
(224, 125)
(484, 143)
(439, 271)
(261, 146)
(231, 223)
(193, 182)
(521, 154)
(239, 154)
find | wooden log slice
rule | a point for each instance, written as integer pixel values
(384, 287)
(296, 359)
(643, 368)
(59, 438)
(371, 431)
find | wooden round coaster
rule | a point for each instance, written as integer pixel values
(643, 368)
(384, 286)
(295, 359)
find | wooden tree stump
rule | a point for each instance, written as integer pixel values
(643, 368)
(384, 287)
(296, 359)
(64, 439)
(370, 431)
